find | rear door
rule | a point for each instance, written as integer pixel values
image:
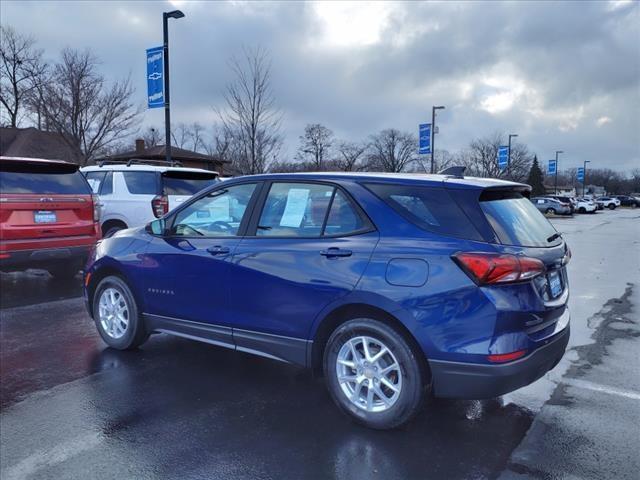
(134, 190)
(42, 204)
(179, 186)
(307, 246)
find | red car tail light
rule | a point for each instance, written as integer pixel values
(96, 207)
(160, 205)
(490, 268)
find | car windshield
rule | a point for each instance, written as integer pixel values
(516, 221)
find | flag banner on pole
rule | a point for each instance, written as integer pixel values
(551, 170)
(580, 174)
(155, 77)
(425, 138)
(503, 157)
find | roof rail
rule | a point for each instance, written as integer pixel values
(141, 161)
(455, 171)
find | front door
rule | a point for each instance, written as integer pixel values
(192, 260)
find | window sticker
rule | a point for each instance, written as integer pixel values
(294, 210)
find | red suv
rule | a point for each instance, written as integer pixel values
(48, 216)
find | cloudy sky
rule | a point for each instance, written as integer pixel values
(564, 76)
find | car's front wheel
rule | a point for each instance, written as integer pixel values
(612, 206)
(116, 315)
(373, 374)
(550, 211)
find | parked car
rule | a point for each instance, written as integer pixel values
(608, 202)
(133, 194)
(396, 287)
(627, 201)
(551, 206)
(48, 217)
(584, 205)
(569, 201)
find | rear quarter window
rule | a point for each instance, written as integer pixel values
(186, 183)
(141, 183)
(39, 179)
(430, 208)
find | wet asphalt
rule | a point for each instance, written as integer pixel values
(72, 408)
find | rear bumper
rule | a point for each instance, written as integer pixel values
(480, 381)
(43, 257)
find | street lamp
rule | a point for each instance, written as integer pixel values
(433, 131)
(167, 112)
(584, 175)
(555, 187)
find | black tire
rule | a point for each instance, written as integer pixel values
(550, 211)
(64, 272)
(582, 210)
(111, 231)
(135, 333)
(612, 206)
(415, 377)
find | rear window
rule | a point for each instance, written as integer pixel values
(186, 183)
(516, 221)
(141, 183)
(430, 208)
(38, 179)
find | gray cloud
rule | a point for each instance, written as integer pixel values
(564, 75)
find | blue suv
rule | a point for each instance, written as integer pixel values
(396, 287)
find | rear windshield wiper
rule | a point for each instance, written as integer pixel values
(554, 236)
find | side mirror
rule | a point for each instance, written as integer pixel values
(157, 227)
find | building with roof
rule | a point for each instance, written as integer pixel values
(564, 190)
(187, 158)
(33, 143)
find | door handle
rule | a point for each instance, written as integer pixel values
(335, 252)
(218, 250)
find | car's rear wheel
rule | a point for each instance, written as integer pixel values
(582, 210)
(550, 211)
(116, 315)
(373, 374)
(612, 206)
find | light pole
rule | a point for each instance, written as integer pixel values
(167, 110)
(584, 175)
(555, 187)
(433, 131)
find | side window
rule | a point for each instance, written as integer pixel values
(141, 183)
(107, 185)
(216, 215)
(343, 217)
(295, 210)
(95, 180)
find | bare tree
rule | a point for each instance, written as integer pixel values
(392, 150)
(315, 144)
(481, 159)
(222, 143)
(250, 115)
(349, 154)
(152, 137)
(21, 72)
(180, 135)
(89, 114)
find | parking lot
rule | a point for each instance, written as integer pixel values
(72, 408)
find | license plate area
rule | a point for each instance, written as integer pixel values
(555, 284)
(45, 216)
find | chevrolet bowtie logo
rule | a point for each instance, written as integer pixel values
(155, 76)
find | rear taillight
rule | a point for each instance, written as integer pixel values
(506, 357)
(96, 207)
(489, 268)
(160, 205)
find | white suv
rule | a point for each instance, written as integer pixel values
(608, 202)
(135, 194)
